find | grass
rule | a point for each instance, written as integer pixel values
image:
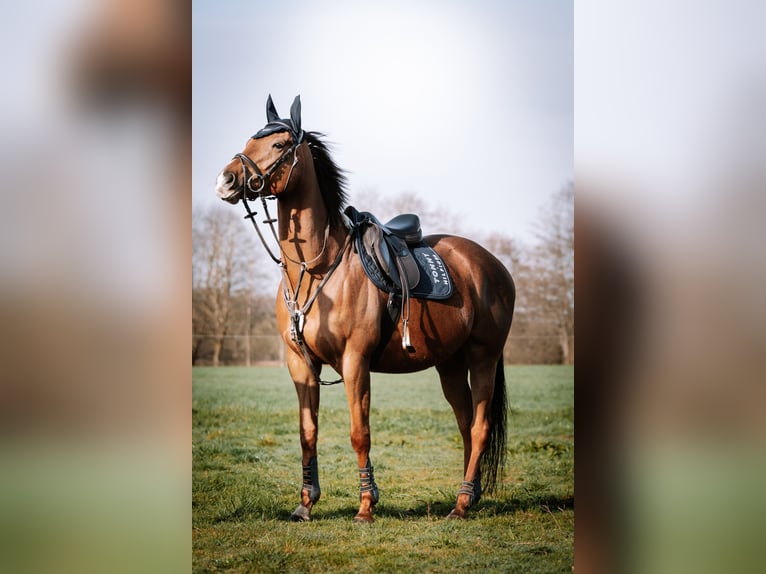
(247, 475)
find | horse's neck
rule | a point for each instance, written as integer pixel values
(303, 234)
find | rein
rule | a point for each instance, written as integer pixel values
(259, 191)
(256, 183)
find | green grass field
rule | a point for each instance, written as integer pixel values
(247, 477)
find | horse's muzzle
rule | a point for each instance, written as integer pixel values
(226, 187)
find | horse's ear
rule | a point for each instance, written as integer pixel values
(295, 113)
(271, 111)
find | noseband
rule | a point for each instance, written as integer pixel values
(257, 181)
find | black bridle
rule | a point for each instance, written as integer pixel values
(256, 183)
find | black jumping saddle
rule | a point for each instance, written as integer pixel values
(398, 262)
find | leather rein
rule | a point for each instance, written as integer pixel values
(260, 180)
(256, 183)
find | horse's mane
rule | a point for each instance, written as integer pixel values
(332, 179)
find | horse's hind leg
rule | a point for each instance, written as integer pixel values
(479, 401)
(454, 379)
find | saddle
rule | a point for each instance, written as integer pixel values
(398, 262)
(389, 245)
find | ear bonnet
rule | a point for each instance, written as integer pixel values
(276, 124)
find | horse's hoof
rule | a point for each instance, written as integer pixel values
(363, 519)
(301, 514)
(456, 514)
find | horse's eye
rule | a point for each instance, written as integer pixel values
(279, 145)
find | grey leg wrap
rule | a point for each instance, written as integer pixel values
(311, 480)
(311, 485)
(472, 489)
(367, 482)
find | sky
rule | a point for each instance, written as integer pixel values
(469, 106)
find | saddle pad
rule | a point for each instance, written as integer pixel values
(435, 281)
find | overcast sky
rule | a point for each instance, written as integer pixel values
(467, 105)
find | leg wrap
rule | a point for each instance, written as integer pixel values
(476, 489)
(311, 480)
(472, 489)
(367, 482)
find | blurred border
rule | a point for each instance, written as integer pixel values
(95, 399)
(669, 280)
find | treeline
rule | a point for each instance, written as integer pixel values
(234, 283)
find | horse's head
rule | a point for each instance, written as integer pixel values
(272, 160)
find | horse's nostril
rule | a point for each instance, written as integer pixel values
(228, 178)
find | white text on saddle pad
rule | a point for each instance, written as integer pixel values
(436, 268)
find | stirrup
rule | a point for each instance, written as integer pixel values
(406, 344)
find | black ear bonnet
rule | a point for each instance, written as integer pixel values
(276, 124)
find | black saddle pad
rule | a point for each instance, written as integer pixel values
(435, 281)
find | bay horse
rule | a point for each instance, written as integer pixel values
(330, 313)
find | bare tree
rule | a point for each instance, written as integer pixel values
(550, 292)
(223, 265)
(509, 251)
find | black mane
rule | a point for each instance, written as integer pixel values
(332, 179)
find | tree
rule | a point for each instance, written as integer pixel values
(551, 290)
(223, 265)
(543, 271)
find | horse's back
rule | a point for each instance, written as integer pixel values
(466, 260)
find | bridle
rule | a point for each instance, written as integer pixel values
(256, 183)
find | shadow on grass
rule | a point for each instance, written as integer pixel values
(441, 508)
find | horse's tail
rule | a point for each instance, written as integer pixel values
(493, 459)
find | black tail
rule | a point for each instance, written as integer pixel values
(493, 459)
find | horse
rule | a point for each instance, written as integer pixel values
(330, 313)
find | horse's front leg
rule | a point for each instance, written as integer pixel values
(308, 406)
(356, 375)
